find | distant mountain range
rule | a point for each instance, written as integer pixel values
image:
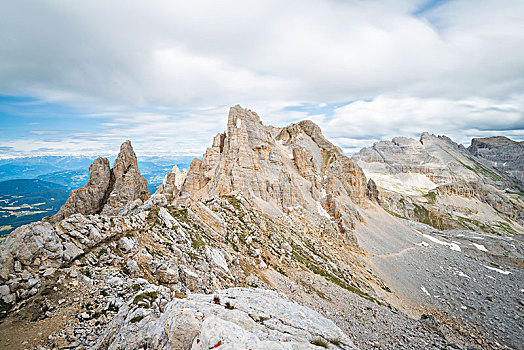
(32, 188)
(72, 171)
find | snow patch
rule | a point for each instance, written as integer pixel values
(462, 274)
(239, 123)
(452, 246)
(425, 290)
(498, 270)
(322, 211)
(479, 247)
(422, 244)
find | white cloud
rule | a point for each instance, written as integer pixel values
(456, 68)
(363, 122)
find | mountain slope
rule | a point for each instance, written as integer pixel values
(502, 153)
(435, 181)
(266, 208)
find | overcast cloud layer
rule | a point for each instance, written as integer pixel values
(163, 73)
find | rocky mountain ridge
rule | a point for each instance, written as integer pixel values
(438, 182)
(502, 153)
(274, 239)
(107, 189)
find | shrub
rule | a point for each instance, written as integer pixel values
(320, 342)
(146, 298)
(137, 319)
(335, 341)
(216, 299)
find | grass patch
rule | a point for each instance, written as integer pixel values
(180, 214)
(137, 319)
(320, 342)
(395, 214)
(426, 217)
(335, 341)
(145, 299)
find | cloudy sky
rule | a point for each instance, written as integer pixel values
(79, 77)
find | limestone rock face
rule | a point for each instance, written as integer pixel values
(91, 198)
(257, 319)
(277, 169)
(438, 182)
(503, 153)
(173, 181)
(107, 190)
(129, 184)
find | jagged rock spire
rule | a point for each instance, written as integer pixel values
(107, 189)
(278, 169)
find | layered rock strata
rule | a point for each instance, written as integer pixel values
(503, 153)
(278, 169)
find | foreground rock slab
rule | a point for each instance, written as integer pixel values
(236, 318)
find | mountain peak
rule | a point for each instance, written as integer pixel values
(107, 189)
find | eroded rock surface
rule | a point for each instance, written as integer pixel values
(107, 190)
(237, 318)
(503, 153)
(438, 182)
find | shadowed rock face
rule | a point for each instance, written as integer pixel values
(107, 189)
(503, 153)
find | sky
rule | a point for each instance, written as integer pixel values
(80, 77)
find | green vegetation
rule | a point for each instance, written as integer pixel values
(145, 299)
(335, 341)
(4, 308)
(26, 201)
(137, 319)
(320, 342)
(180, 214)
(300, 256)
(480, 170)
(507, 228)
(197, 241)
(395, 214)
(234, 201)
(517, 193)
(431, 197)
(426, 217)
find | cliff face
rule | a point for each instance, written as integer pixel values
(438, 182)
(504, 154)
(278, 170)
